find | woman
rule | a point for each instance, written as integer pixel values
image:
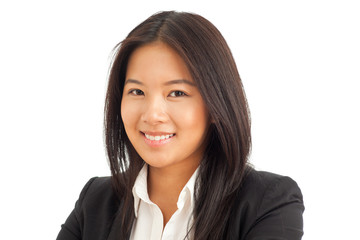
(177, 131)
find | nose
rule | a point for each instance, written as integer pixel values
(154, 111)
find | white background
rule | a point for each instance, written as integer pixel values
(299, 62)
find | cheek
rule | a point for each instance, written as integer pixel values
(127, 114)
(190, 115)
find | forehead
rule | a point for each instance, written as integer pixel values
(156, 60)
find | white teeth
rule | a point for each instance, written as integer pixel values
(157, 138)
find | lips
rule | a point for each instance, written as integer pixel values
(156, 139)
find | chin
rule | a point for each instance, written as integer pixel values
(159, 163)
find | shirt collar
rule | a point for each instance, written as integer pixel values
(140, 190)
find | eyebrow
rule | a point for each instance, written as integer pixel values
(133, 81)
(177, 81)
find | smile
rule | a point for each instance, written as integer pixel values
(158, 138)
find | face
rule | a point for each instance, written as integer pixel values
(162, 110)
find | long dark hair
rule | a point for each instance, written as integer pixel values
(214, 71)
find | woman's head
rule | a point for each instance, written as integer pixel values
(212, 68)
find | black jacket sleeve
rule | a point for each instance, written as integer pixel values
(93, 214)
(276, 214)
(71, 229)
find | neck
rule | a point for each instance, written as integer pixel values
(168, 179)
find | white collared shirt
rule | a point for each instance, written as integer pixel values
(148, 216)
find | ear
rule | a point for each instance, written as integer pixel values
(211, 119)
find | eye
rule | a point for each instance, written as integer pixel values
(136, 92)
(177, 94)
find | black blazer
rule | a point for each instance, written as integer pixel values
(268, 207)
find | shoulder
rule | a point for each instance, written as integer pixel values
(96, 189)
(268, 204)
(261, 183)
(94, 211)
(98, 198)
